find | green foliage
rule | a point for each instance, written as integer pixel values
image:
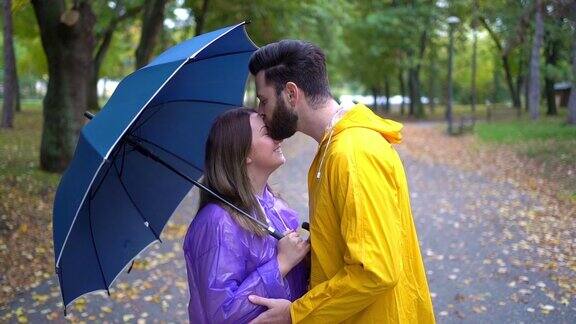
(366, 41)
(30, 58)
(486, 67)
(119, 60)
(383, 38)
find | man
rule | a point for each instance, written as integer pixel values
(366, 265)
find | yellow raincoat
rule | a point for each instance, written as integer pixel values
(366, 263)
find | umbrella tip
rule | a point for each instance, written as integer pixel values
(88, 115)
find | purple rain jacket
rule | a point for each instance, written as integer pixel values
(226, 264)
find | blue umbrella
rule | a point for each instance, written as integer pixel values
(137, 159)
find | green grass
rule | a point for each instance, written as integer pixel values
(19, 150)
(525, 130)
(549, 141)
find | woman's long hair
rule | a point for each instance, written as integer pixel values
(225, 170)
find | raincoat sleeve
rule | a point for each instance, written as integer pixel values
(363, 190)
(224, 283)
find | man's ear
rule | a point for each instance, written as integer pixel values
(292, 92)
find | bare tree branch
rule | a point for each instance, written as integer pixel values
(106, 36)
(494, 36)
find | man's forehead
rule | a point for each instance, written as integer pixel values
(260, 77)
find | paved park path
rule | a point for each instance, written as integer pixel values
(473, 275)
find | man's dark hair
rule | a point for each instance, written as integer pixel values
(293, 61)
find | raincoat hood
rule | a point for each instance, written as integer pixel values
(361, 116)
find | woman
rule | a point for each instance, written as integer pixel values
(227, 256)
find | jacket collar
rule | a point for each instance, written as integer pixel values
(267, 200)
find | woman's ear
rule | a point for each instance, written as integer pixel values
(248, 160)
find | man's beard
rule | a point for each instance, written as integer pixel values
(283, 122)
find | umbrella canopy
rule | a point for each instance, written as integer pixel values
(113, 201)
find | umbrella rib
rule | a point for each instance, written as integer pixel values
(147, 153)
(94, 245)
(193, 60)
(137, 127)
(95, 191)
(149, 226)
(169, 152)
(123, 159)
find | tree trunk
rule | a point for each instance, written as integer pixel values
(387, 94)
(201, 18)
(375, 96)
(152, 20)
(68, 41)
(534, 81)
(521, 84)
(572, 98)
(93, 103)
(474, 55)
(514, 94)
(552, 54)
(449, 91)
(413, 91)
(550, 97)
(10, 87)
(431, 81)
(526, 84)
(431, 93)
(402, 91)
(18, 107)
(414, 81)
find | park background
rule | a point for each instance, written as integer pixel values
(485, 89)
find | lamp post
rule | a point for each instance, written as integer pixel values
(452, 22)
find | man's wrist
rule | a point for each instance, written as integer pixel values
(289, 312)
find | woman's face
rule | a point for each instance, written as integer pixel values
(265, 153)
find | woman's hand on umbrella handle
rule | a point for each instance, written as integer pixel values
(291, 250)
